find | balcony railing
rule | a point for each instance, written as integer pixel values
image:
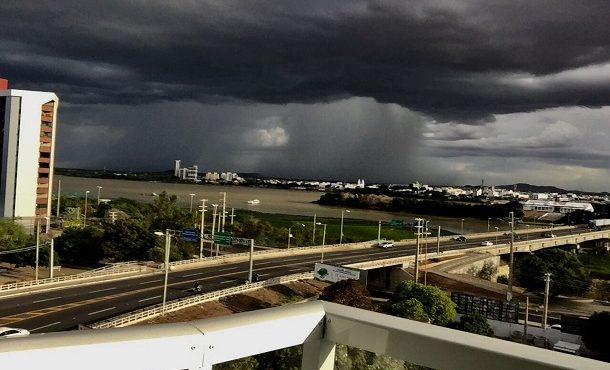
(319, 326)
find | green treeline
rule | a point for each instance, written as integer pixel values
(434, 207)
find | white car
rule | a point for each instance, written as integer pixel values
(487, 243)
(12, 332)
(386, 244)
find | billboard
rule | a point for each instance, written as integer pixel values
(334, 273)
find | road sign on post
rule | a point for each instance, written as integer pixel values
(190, 235)
(223, 238)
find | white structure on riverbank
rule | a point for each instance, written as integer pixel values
(28, 120)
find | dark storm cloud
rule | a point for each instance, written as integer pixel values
(453, 60)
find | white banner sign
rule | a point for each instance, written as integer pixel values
(334, 273)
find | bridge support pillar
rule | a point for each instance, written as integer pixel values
(318, 354)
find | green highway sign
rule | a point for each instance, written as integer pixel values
(223, 238)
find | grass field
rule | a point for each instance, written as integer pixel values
(353, 230)
(598, 264)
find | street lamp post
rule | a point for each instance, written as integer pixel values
(509, 295)
(58, 197)
(341, 236)
(289, 236)
(313, 234)
(527, 235)
(224, 204)
(462, 226)
(213, 227)
(85, 215)
(488, 219)
(379, 233)
(168, 238)
(496, 234)
(323, 241)
(191, 207)
(202, 206)
(99, 194)
(37, 248)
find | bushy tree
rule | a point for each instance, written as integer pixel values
(474, 323)
(596, 332)
(349, 293)
(126, 240)
(81, 247)
(166, 214)
(12, 235)
(568, 275)
(435, 303)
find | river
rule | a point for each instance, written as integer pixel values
(293, 202)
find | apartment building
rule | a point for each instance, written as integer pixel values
(28, 121)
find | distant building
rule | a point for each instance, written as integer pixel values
(28, 121)
(186, 173)
(556, 207)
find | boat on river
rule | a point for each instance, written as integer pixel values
(254, 202)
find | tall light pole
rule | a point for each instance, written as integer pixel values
(462, 226)
(289, 236)
(488, 219)
(51, 258)
(313, 234)
(99, 192)
(379, 233)
(58, 197)
(213, 227)
(224, 205)
(232, 215)
(547, 281)
(496, 234)
(323, 241)
(527, 235)
(168, 239)
(85, 215)
(191, 207)
(509, 294)
(341, 236)
(37, 248)
(418, 234)
(202, 206)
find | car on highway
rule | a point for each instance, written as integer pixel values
(385, 244)
(6, 332)
(459, 238)
(548, 235)
(487, 243)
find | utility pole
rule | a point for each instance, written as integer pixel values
(232, 216)
(438, 241)
(313, 234)
(58, 197)
(509, 294)
(527, 313)
(289, 236)
(213, 227)
(426, 251)
(419, 220)
(224, 204)
(251, 259)
(37, 248)
(379, 233)
(202, 228)
(547, 281)
(51, 259)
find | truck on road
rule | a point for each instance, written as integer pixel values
(600, 222)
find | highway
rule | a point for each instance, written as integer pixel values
(65, 309)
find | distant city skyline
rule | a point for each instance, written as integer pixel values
(443, 92)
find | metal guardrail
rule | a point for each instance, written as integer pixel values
(156, 310)
(319, 326)
(102, 271)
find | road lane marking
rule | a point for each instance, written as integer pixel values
(100, 311)
(148, 282)
(45, 326)
(148, 299)
(229, 268)
(47, 299)
(102, 290)
(193, 274)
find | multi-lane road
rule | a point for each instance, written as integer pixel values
(65, 309)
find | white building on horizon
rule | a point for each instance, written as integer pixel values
(28, 120)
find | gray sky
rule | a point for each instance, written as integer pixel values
(440, 91)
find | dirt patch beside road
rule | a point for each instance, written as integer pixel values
(262, 298)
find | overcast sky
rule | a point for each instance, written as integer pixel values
(440, 91)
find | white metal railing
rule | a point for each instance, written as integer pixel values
(102, 271)
(156, 310)
(317, 325)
